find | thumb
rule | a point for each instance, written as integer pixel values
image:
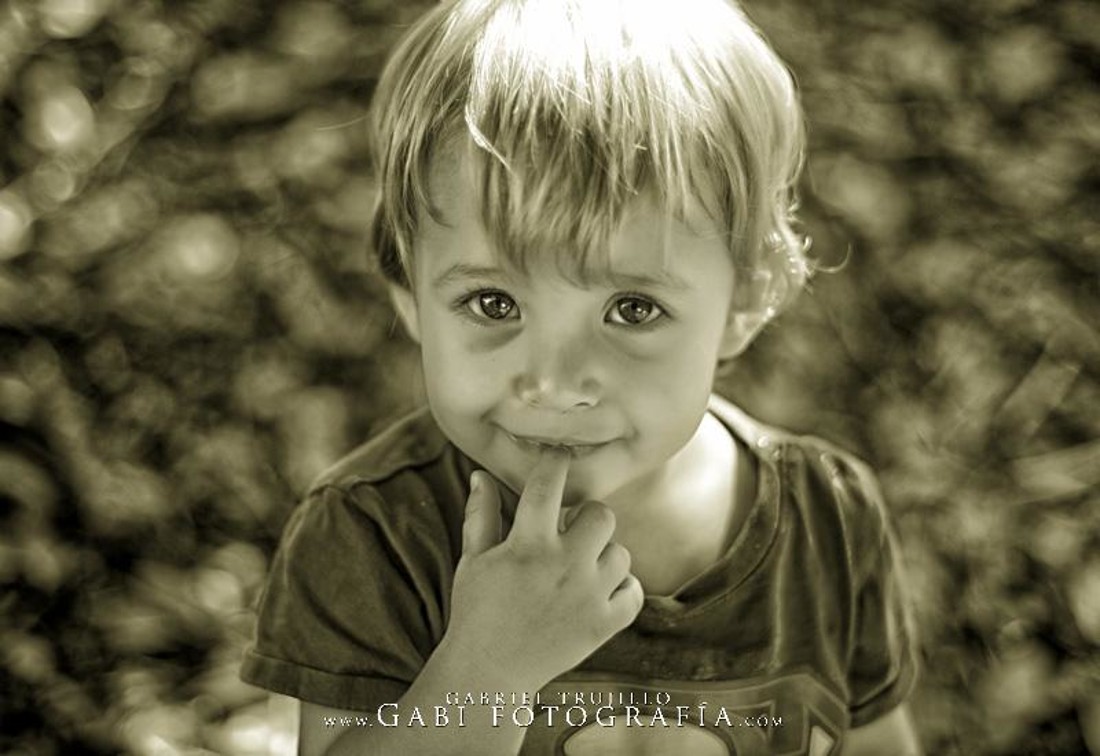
(481, 529)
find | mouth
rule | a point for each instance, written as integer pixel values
(576, 448)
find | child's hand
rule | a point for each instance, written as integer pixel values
(533, 605)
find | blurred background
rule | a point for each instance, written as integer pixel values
(190, 330)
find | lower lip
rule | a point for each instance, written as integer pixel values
(575, 451)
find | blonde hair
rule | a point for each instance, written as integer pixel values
(571, 108)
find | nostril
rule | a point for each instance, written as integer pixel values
(555, 395)
(531, 390)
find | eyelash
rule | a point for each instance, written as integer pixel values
(662, 314)
(461, 305)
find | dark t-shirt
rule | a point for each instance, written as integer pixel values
(796, 634)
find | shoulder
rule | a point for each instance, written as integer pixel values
(410, 442)
(835, 545)
(407, 484)
(377, 536)
(832, 492)
(850, 479)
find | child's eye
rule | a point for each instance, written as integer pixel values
(492, 305)
(634, 311)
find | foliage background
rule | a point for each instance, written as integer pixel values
(190, 330)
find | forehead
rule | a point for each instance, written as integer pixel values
(644, 236)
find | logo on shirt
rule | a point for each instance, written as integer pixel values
(792, 714)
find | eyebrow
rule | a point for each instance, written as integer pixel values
(464, 272)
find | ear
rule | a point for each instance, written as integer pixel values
(751, 308)
(742, 326)
(405, 304)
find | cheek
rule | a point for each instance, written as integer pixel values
(677, 391)
(673, 421)
(682, 368)
(457, 378)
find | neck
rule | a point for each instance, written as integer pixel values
(679, 522)
(703, 463)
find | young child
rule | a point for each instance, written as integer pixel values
(576, 548)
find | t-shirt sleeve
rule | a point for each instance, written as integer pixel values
(882, 662)
(347, 619)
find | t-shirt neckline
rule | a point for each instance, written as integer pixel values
(757, 533)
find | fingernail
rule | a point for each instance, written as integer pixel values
(475, 481)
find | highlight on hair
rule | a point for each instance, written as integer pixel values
(570, 109)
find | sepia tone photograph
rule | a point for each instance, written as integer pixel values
(583, 377)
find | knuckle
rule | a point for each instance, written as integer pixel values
(529, 548)
(537, 489)
(618, 556)
(623, 554)
(607, 516)
(633, 598)
(600, 515)
(520, 549)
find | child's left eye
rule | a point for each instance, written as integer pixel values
(634, 311)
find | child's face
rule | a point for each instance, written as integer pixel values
(620, 372)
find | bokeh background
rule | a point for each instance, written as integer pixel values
(190, 329)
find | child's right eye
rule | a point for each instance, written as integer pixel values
(492, 305)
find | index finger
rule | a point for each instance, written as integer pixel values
(540, 503)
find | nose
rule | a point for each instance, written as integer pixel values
(560, 374)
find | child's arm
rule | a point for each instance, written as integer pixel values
(892, 734)
(524, 609)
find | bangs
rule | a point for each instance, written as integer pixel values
(569, 111)
(562, 203)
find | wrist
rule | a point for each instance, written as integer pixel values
(475, 670)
